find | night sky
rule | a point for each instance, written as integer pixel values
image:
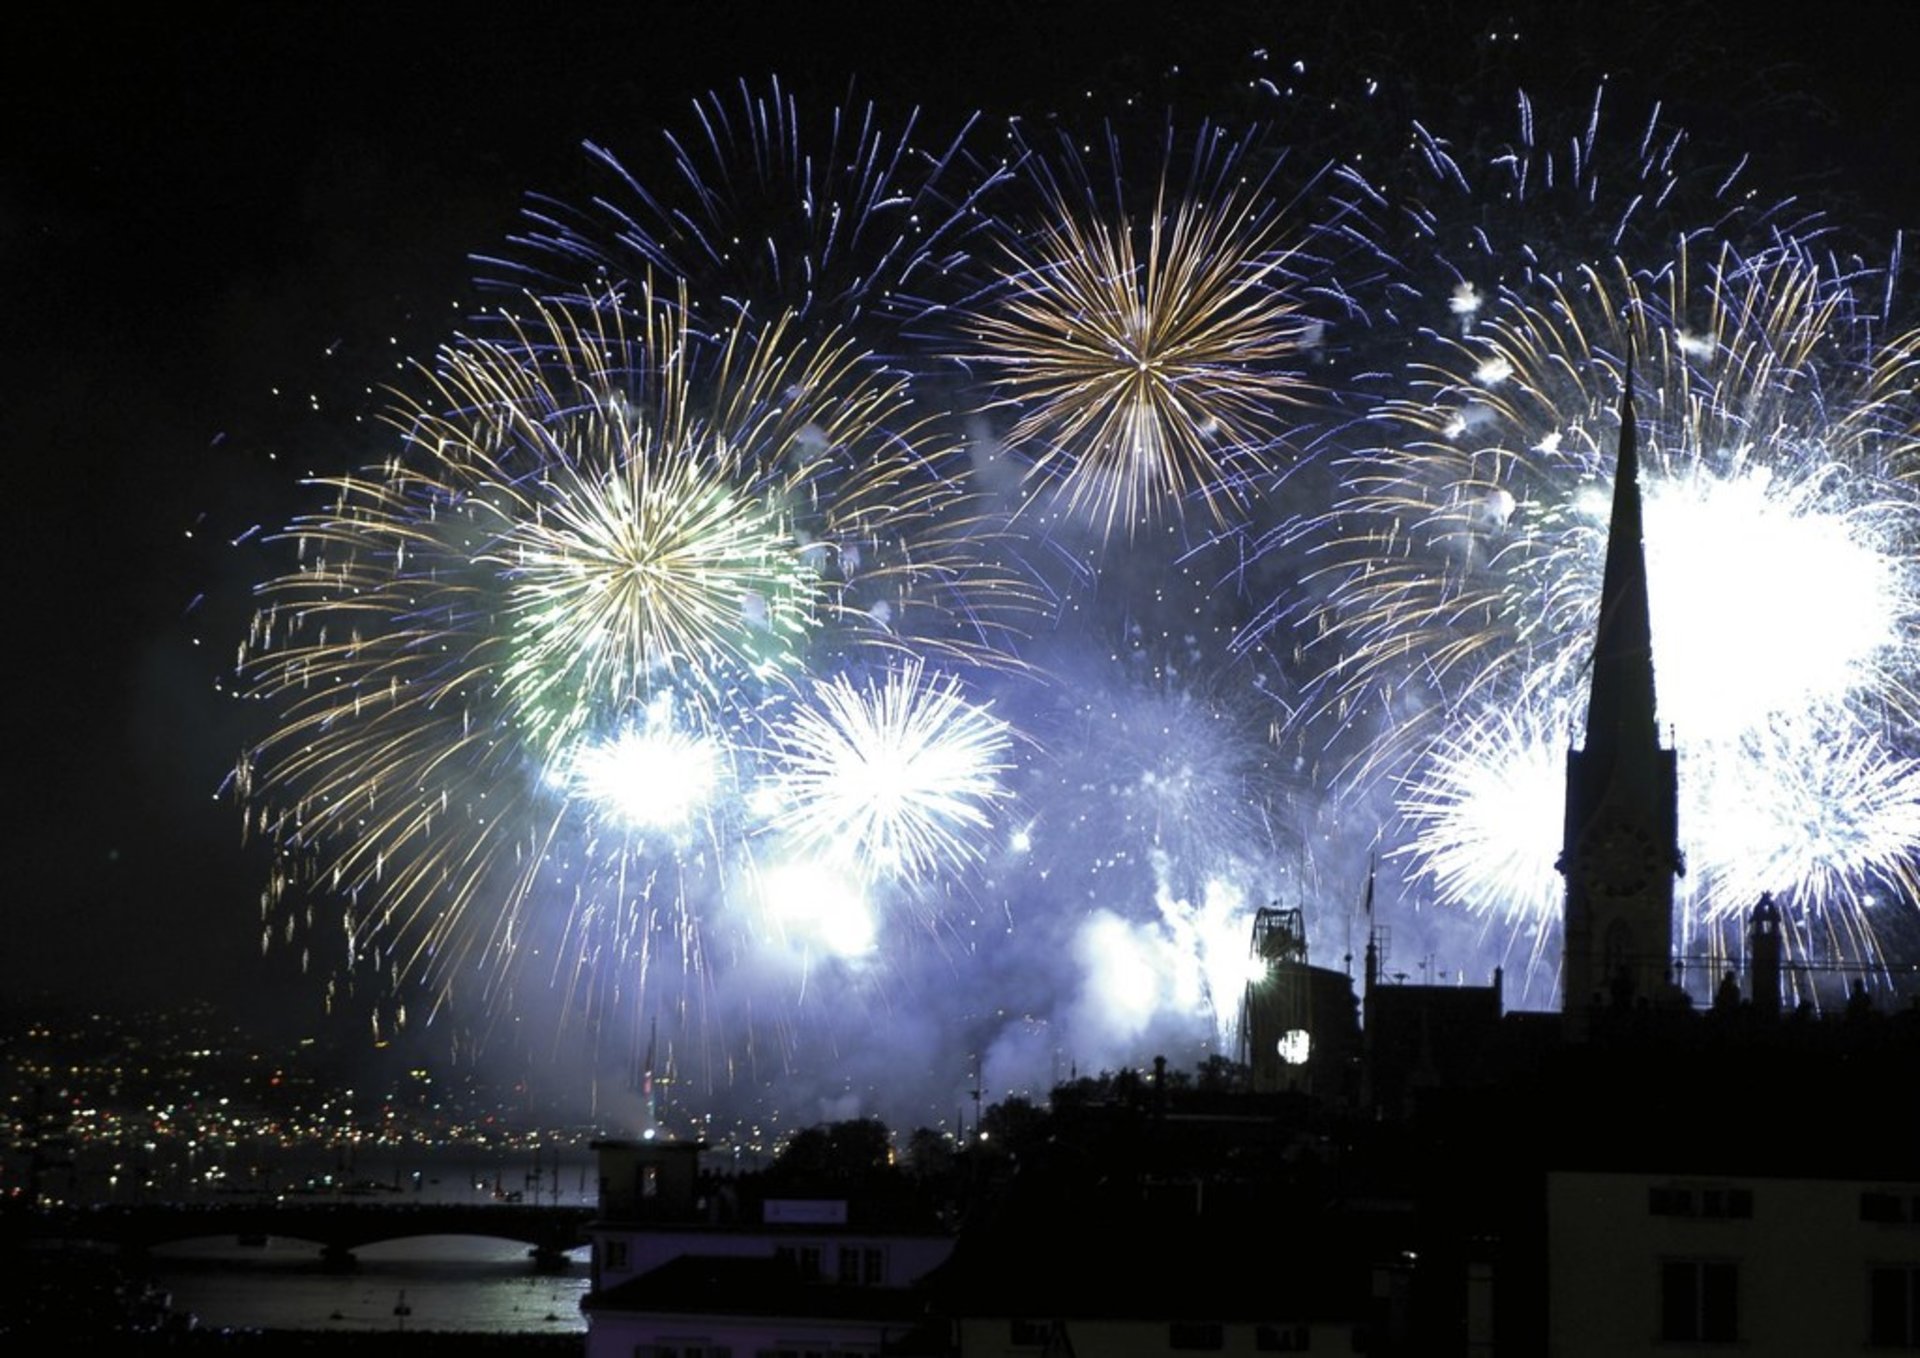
(220, 226)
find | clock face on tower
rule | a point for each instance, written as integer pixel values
(1618, 857)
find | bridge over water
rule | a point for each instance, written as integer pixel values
(338, 1227)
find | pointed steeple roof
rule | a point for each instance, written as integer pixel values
(1620, 703)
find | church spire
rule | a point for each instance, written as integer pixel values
(1619, 845)
(1620, 703)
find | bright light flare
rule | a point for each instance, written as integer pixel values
(1212, 933)
(651, 776)
(1728, 559)
(1188, 965)
(820, 905)
(1485, 811)
(1838, 820)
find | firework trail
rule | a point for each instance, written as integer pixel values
(1466, 560)
(771, 207)
(608, 546)
(1146, 345)
(1449, 224)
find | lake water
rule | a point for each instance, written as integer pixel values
(425, 1283)
(458, 1283)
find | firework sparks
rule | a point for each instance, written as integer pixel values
(1485, 815)
(898, 777)
(601, 562)
(771, 208)
(1467, 592)
(1148, 351)
(1453, 223)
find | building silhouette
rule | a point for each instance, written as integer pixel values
(1298, 1026)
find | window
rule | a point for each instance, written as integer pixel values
(1886, 1208)
(861, 1266)
(1730, 1203)
(1670, 1202)
(1699, 1300)
(1893, 1307)
(1282, 1338)
(805, 1260)
(1196, 1334)
(1029, 1333)
(1726, 1204)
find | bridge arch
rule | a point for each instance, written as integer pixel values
(338, 1229)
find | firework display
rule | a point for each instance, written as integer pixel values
(1146, 347)
(533, 655)
(849, 578)
(1471, 564)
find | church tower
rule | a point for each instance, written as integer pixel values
(1619, 848)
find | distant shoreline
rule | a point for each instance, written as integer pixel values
(324, 1344)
